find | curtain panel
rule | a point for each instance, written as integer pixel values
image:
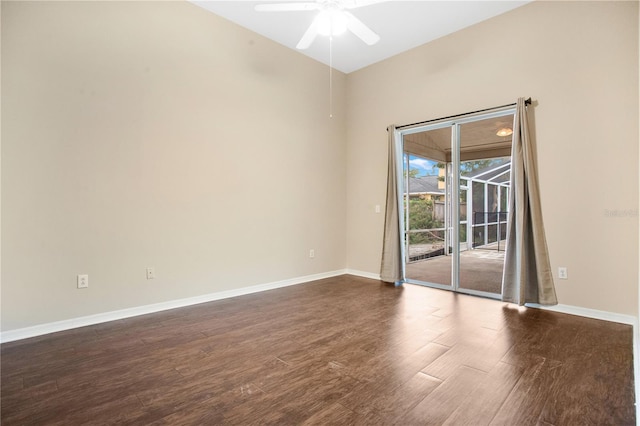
(391, 265)
(527, 275)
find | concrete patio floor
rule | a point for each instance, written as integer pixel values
(480, 270)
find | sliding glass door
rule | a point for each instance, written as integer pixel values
(427, 209)
(455, 190)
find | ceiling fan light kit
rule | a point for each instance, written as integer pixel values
(331, 22)
(332, 19)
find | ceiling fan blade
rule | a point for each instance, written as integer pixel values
(286, 7)
(352, 4)
(357, 27)
(308, 36)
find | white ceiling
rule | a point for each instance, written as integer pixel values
(401, 25)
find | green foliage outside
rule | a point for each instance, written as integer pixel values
(421, 211)
(422, 217)
(412, 173)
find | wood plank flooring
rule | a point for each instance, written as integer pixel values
(340, 351)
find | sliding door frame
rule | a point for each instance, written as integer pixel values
(452, 233)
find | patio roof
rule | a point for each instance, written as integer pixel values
(498, 172)
(425, 185)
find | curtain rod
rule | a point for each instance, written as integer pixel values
(526, 102)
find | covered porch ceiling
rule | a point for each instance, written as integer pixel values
(478, 140)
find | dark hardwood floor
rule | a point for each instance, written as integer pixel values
(344, 350)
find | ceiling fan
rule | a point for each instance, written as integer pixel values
(333, 18)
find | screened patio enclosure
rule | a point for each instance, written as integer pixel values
(483, 208)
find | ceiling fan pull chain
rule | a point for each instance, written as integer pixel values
(330, 76)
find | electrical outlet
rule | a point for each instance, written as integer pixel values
(151, 273)
(377, 208)
(562, 273)
(312, 254)
(83, 281)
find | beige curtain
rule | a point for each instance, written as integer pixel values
(527, 276)
(391, 266)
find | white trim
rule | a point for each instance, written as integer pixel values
(52, 327)
(636, 370)
(589, 313)
(363, 274)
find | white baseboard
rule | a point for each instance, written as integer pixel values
(363, 274)
(589, 313)
(38, 330)
(565, 309)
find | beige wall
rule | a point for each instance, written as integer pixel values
(143, 134)
(579, 62)
(157, 134)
